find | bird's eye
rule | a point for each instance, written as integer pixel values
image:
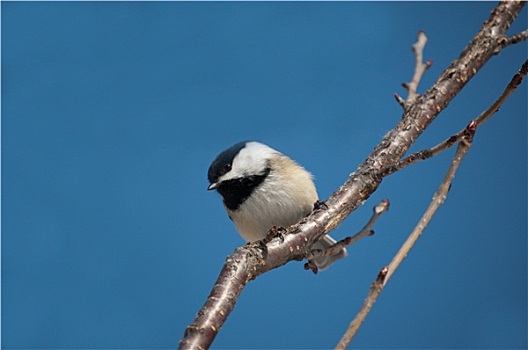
(225, 169)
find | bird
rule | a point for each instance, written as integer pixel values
(261, 188)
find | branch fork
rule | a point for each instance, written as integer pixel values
(464, 138)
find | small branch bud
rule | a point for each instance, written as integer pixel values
(382, 207)
(428, 64)
(382, 274)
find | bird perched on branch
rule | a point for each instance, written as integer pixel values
(262, 188)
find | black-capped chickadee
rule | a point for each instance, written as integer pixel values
(262, 188)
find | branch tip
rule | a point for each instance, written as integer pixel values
(382, 207)
(421, 40)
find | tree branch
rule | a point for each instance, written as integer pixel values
(386, 273)
(449, 142)
(464, 139)
(250, 261)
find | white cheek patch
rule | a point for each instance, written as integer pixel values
(251, 160)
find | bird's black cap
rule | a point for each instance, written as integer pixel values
(222, 163)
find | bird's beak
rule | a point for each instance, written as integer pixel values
(212, 186)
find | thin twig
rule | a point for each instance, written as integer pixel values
(514, 39)
(386, 273)
(366, 231)
(437, 201)
(419, 67)
(377, 211)
(449, 142)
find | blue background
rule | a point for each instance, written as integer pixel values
(112, 112)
